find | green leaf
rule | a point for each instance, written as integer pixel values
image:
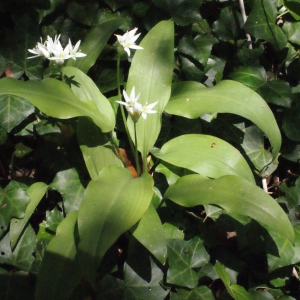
(96, 148)
(198, 293)
(55, 99)
(85, 89)
(21, 150)
(183, 256)
(228, 26)
(183, 12)
(261, 24)
(296, 258)
(292, 31)
(149, 233)
(53, 219)
(191, 100)
(277, 91)
(151, 74)
(68, 184)
(93, 44)
(253, 144)
(13, 203)
(13, 110)
(36, 192)
(234, 194)
(61, 253)
(111, 205)
(172, 232)
(293, 7)
(206, 155)
(133, 286)
(22, 256)
(291, 122)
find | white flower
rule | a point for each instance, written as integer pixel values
(39, 50)
(147, 109)
(73, 50)
(135, 108)
(60, 54)
(128, 40)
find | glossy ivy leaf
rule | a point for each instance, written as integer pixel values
(111, 205)
(16, 285)
(172, 232)
(36, 192)
(292, 31)
(13, 110)
(228, 26)
(133, 286)
(183, 256)
(15, 49)
(283, 255)
(198, 48)
(190, 70)
(22, 256)
(249, 56)
(55, 99)
(94, 43)
(206, 155)
(291, 122)
(253, 144)
(39, 252)
(13, 203)
(68, 184)
(149, 232)
(43, 233)
(261, 23)
(82, 13)
(53, 218)
(191, 100)
(235, 195)
(3, 135)
(96, 148)
(61, 253)
(236, 291)
(85, 89)
(151, 74)
(291, 152)
(21, 150)
(277, 91)
(293, 7)
(198, 293)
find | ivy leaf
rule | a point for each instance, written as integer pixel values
(291, 122)
(22, 257)
(198, 293)
(292, 31)
(183, 256)
(133, 286)
(276, 91)
(13, 110)
(228, 26)
(68, 184)
(261, 24)
(13, 203)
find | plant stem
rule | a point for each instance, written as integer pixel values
(244, 16)
(112, 141)
(136, 154)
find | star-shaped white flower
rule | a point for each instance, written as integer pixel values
(39, 50)
(147, 109)
(128, 40)
(59, 53)
(73, 50)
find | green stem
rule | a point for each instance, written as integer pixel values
(122, 107)
(114, 144)
(136, 154)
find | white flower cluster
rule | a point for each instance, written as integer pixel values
(135, 108)
(53, 50)
(127, 41)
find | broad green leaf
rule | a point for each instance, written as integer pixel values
(133, 286)
(85, 89)
(36, 192)
(261, 24)
(293, 8)
(292, 31)
(39, 252)
(3, 135)
(68, 184)
(183, 256)
(206, 155)
(96, 148)
(53, 219)
(234, 194)
(54, 98)
(16, 285)
(61, 253)
(236, 291)
(172, 232)
(13, 110)
(291, 122)
(111, 205)
(22, 256)
(13, 203)
(191, 100)
(253, 144)
(198, 293)
(149, 233)
(296, 258)
(93, 44)
(276, 91)
(151, 74)
(228, 26)
(183, 12)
